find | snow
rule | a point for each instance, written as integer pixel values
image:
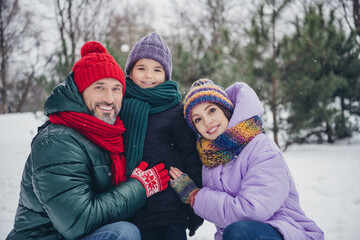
(326, 176)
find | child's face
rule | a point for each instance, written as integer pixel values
(147, 73)
(209, 120)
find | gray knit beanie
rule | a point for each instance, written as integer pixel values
(152, 47)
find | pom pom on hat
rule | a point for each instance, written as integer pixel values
(95, 64)
(152, 47)
(92, 47)
(201, 91)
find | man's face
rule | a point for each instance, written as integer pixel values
(103, 99)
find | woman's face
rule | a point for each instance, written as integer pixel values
(209, 120)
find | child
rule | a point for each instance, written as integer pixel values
(156, 131)
(248, 191)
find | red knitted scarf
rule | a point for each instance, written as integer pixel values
(101, 133)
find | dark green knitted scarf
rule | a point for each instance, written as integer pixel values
(138, 104)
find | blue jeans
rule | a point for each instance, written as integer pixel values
(170, 232)
(250, 230)
(115, 231)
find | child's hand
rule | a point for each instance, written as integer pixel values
(175, 173)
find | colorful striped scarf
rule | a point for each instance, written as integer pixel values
(230, 143)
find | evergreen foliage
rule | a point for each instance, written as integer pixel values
(315, 77)
(304, 67)
(263, 63)
(194, 59)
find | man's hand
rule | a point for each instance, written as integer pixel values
(154, 179)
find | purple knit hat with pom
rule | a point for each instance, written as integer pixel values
(152, 47)
(201, 91)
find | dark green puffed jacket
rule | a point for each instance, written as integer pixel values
(66, 188)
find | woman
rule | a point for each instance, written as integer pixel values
(248, 191)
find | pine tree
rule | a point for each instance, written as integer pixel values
(314, 76)
(263, 65)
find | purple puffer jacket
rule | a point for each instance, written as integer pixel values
(257, 185)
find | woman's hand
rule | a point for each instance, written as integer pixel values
(175, 173)
(183, 186)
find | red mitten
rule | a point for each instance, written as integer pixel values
(154, 179)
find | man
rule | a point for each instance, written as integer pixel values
(74, 183)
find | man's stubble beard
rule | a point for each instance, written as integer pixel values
(106, 117)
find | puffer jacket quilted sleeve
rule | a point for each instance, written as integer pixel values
(72, 180)
(67, 188)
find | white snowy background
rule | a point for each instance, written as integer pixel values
(327, 179)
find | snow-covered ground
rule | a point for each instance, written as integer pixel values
(327, 179)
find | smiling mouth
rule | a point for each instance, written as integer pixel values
(106, 108)
(148, 83)
(213, 130)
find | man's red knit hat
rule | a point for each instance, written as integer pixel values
(95, 64)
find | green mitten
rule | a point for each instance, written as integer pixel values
(185, 188)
